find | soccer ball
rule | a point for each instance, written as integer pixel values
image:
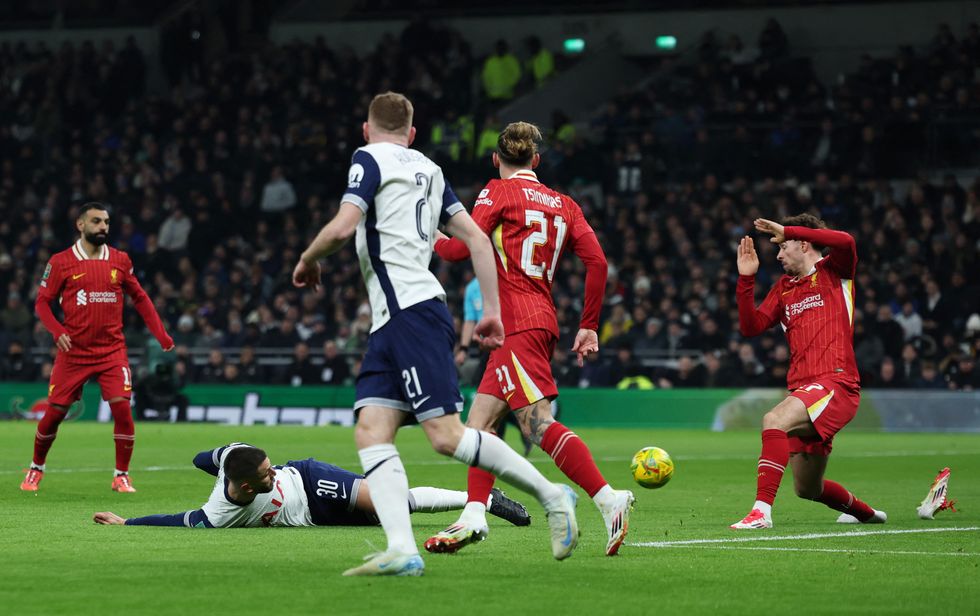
(652, 467)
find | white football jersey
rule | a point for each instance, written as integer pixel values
(285, 505)
(405, 198)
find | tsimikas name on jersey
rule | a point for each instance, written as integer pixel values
(534, 196)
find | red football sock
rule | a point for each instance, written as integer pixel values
(837, 497)
(123, 434)
(573, 457)
(772, 464)
(478, 485)
(47, 430)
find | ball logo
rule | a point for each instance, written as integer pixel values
(81, 298)
(355, 175)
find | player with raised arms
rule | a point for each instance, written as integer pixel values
(395, 201)
(814, 304)
(250, 492)
(89, 280)
(531, 225)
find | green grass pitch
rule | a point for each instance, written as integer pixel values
(56, 561)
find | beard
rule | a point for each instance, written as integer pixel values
(96, 239)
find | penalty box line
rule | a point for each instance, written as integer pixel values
(860, 533)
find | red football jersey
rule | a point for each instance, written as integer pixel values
(816, 311)
(90, 292)
(530, 225)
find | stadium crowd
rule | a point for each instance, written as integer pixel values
(216, 187)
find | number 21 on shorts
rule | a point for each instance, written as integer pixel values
(503, 377)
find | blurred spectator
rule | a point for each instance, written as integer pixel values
(17, 365)
(278, 194)
(963, 375)
(540, 61)
(617, 325)
(249, 370)
(230, 375)
(175, 231)
(625, 372)
(688, 374)
(751, 373)
(930, 378)
(15, 319)
(501, 73)
(909, 368)
(910, 321)
(890, 333)
(214, 370)
(888, 376)
(565, 368)
(301, 371)
(335, 370)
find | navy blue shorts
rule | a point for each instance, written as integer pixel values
(409, 364)
(332, 494)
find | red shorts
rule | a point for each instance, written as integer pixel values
(831, 405)
(520, 371)
(67, 380)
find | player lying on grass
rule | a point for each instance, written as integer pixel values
(250, 491)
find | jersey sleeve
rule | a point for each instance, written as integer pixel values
(189, 519)
(144, 305)
(842, 259)
(487, 217)
(586, 246)
(753, 321)
(52, 281)
(450, 204)
(363, 180)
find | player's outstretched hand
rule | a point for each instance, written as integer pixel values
(306, 275)
(490, 332)
(776, 230)
(107, 517)
(748, 260)
(167, 345)
(586, 343)
(64, 343)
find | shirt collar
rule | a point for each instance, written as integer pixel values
(525, 174)
(79, 252)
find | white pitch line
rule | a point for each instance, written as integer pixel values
(860, 533)
(824, 550)
(542, 459)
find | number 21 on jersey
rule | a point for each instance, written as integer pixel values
(536, 220)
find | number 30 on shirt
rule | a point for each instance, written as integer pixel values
(539, 237)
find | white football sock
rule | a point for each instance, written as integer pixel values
(38, 467)
(388, 483)
(119, 472)
(604, 496)
(432, 500)
(765, 508)
(488, 452)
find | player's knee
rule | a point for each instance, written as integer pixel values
(364, 436)
(445, 444)
(773, 420)
(808, 492)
